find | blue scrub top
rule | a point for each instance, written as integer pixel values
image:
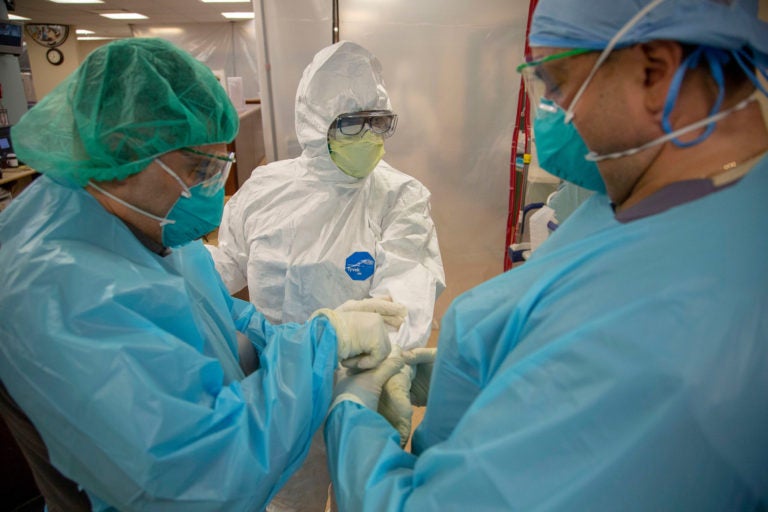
(623, 367)
(126, 363)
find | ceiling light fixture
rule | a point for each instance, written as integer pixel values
(124, 16)
(238, 15)
(96, 38)
(77, 1)
(15, 17)
(84, 32)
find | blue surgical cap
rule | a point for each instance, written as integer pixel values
(725, 24)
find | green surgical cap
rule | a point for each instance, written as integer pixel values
(128, 102)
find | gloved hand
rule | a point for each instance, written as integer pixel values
(395, 403)
(423, 361)
(364, 387)
(410, 386)
(393, 313)
(362, 338)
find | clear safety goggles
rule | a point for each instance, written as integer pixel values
(208, 170)
(380, 122)
(543, 85)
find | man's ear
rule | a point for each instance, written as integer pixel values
(662, 59)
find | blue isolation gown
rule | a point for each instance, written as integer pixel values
(126, 363)
(624, 367)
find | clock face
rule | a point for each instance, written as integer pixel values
(54, 56)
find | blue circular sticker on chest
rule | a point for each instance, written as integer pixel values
(359, 266)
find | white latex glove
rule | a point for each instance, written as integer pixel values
(393, 313)
(395, 402)
(364, 387)
(422, 360)
(362, 337)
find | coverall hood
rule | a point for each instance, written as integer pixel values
(344, 77)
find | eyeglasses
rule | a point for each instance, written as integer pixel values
(542, 87)
(207, 169)
(380, 122)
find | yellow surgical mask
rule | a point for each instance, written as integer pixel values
(357, 156)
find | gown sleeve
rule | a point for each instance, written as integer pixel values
(231, 253)
(409, 266)
(111, 367)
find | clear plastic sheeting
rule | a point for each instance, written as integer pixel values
(449, 67)
(292, 33)
(228, 48)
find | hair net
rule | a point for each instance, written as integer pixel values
(726, 24)
(128, 102)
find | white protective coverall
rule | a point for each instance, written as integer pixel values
(303, 235)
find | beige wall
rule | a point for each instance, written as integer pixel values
(84, 48)
(45, 75)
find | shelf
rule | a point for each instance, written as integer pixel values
(11, 175)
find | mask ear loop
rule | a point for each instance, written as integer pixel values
(594, 157)
(744, 59)
(162, 220)
(604, 55)
(715, 58)
(184, 188)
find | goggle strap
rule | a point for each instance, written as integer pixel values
(561, 55)
(228, 158)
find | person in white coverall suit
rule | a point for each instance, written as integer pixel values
(333, 225)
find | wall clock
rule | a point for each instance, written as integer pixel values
(54, 56)
(51, 36)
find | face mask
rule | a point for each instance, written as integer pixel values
(560, 149)
(195, 213)
(357, 157)
(192, 217)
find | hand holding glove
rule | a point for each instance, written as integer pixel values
(423, 361)
(410, 386)
(363, 341)
(395, 403)
(364, 387)
(393, 313)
